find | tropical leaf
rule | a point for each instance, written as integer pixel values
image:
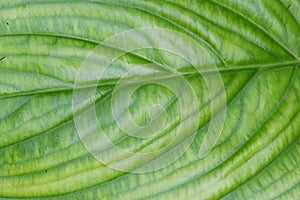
(255, 46)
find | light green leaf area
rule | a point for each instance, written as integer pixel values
(255, 45)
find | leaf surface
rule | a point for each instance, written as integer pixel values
(255, 45)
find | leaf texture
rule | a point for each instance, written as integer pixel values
(255, 45)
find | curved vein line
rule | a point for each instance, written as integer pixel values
(151, 13)
(100, 184)
(225, 28)
(258, 26)
(218, 166)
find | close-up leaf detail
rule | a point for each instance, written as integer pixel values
(255, 48)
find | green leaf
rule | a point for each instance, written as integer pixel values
(255, 46)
